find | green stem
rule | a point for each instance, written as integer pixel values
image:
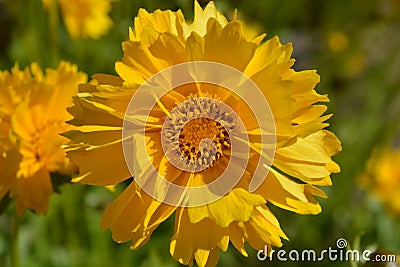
(53, 33)
(14, 241)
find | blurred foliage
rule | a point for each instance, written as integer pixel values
(354, 45)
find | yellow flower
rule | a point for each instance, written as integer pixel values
(32, 114)
(84, 18)
(382, 177)
(337, 41)
(199, 149)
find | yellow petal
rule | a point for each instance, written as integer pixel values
(168, 48)
(161, 21)
(307, 128)
(269, 51)
(194, 47)
(94, 138)
(303, 92)
(261, 230)
(129, 74)
(95, 166)
(278, 94)
(108, 79)
(310, 157)
(190, 238)
(33, 192)
(230, 41)
(90, 113)
(201, 18)
(9, 163)
(140, 58)
(141, 215)
(238, 205)
(287, 194)
(308, 113)
(236, 235)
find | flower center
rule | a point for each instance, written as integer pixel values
(199, 129)
(196, 133)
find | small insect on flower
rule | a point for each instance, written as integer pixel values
(213, 126)
(32, 115)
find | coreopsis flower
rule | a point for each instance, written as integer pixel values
(32, 115)
(382, 177)
(337, 41)
(84, 18)
(187, 135)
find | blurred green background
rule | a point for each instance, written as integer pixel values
(354, 45)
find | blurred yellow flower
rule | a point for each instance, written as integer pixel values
(32, 114)
(354, 64)
(382, 177)
(337, 41)
(303, 149)
(84, 18)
